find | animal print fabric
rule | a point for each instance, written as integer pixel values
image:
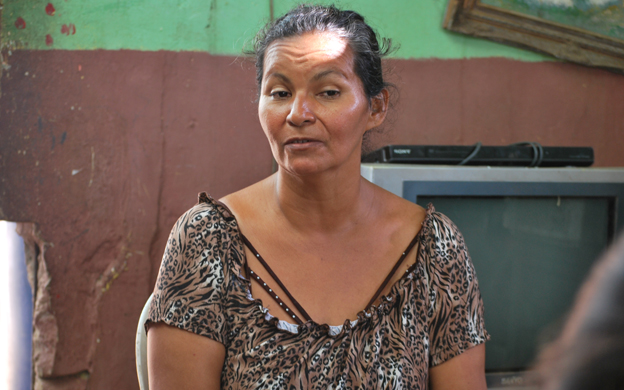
(430, 315)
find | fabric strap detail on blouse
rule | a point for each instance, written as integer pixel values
(393, 271)
(251, 274)
(253, 250)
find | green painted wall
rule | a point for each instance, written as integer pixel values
(223, 27)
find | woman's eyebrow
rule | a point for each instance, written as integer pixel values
(326, 73)
(316, 77)
(280, 76)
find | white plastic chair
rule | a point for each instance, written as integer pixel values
(141, 347)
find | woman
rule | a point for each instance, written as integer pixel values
(314, 277)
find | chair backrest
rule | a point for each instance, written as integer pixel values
(141, 347)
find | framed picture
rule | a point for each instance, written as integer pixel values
(589, 32)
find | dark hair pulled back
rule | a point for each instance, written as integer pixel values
(349, 25)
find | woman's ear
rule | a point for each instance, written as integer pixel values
(379, 109)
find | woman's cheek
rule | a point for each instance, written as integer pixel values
(272, 120)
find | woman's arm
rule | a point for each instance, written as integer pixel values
(181, 360)
(463, 372)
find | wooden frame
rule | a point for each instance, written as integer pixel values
(472, 17)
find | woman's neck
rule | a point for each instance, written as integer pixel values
(325, 203)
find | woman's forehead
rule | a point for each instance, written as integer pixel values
(310, 49)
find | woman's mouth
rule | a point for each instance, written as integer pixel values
(301, 143)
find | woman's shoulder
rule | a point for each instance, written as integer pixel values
(205, 208)
(437, 232)
(440, 227)
(206, 216)
(204, 236)
(434, 221)
(444, 248)
(245, 201)
(395, 207)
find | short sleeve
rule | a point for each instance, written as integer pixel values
(455, 309)
(190, 291)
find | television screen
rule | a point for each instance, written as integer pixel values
(531, 255)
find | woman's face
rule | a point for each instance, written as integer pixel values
(312, 107)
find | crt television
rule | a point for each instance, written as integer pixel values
(533, 235)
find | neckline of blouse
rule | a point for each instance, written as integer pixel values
(364, 315)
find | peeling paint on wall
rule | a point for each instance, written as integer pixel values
(45, 329)
(68, 29)
(49, 9)
(20, 24)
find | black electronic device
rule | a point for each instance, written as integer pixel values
(525, 154)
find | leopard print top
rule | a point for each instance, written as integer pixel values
(430, 315)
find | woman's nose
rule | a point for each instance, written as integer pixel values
(301, 112)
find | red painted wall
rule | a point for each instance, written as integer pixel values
(105, 149)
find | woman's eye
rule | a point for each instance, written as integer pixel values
(280, 94)
(330, 93)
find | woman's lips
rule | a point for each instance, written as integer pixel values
(301, 143)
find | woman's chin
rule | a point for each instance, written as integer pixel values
(304, 168)
(317, 166)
